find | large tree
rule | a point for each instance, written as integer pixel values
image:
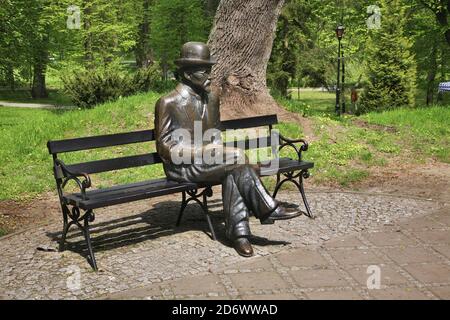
(441, 9)
(241, 40)
(390, 64)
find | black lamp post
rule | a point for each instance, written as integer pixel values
(339, 34)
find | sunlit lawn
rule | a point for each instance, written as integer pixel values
(343, 150)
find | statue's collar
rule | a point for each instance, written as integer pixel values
(187, 92)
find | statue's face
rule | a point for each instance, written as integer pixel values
(201, 79)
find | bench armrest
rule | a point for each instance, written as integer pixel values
(286, 142)
(70, 175)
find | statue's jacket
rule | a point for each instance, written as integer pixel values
(184, 109)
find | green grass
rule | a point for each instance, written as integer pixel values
(2, 232)
(26, 164)
(426, 130)
(345, 149)
(56, 97)
(311, 103)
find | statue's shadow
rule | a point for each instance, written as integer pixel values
(158, 222)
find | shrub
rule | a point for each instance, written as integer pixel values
(391, 68)
(90, 87)
(146, 79)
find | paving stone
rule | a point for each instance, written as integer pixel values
(259, 263)
(137, 244)
(389, 276)
(442, 292)
(277, 296)
(257, 281)
(198, 285)
(430, 273)
(356, 257)
(443, 217)
(318, 278)
(389, 239)
(421, 223)
(434, 236)
(139, 293)
(445, 250)
(404, 255)
(351, 241)
(398, 294)
(301, 258)
(334, 295)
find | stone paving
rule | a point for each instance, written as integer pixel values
(143, 256)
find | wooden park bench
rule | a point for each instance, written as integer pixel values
(83, 203)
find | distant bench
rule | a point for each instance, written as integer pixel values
(83, 203)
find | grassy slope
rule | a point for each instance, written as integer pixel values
(26, 164)
(345, 148)
(342, 150)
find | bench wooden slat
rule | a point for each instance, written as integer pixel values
(103, 141)
(252, 122)
(116, 164)
(127, 193)
(248, 144)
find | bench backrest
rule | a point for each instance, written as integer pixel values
(92, 167)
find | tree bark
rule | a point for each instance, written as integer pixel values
(211, 6)
(87, 41)
(10, 79)
(143, 52)
(241, 40)
(40, 61)
(432, 73)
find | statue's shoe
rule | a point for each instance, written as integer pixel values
(282, 213)
(243, 247)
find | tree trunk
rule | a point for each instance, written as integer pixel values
(10, 79)
(241, 40)
(432, 74)
(211, 7)
(442, 19)
(40, 60)
(143, 52)
(87, 42)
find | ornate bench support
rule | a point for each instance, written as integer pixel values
(291, 177)
(76, 219)
(63, 177)
(194, 195)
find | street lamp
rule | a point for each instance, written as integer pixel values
(339, 34)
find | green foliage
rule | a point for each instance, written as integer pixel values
(425, 130)
(87, 88)
(390, 65)
(146, 79)
(26, 164)
(175, 22)
(91, 87)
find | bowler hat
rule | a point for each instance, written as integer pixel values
(195, 54)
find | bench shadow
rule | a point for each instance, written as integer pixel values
(158, 222)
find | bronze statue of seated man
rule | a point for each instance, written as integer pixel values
(192, 108)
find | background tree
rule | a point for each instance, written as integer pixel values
(175, 22)
(143, 50)
(241, 40)
(441, 10)
(391, 68)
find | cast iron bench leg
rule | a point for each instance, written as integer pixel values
(66, 226)
(194, 196)
(183, 206)
(89, 217)
(304, 174)
(207, 194)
